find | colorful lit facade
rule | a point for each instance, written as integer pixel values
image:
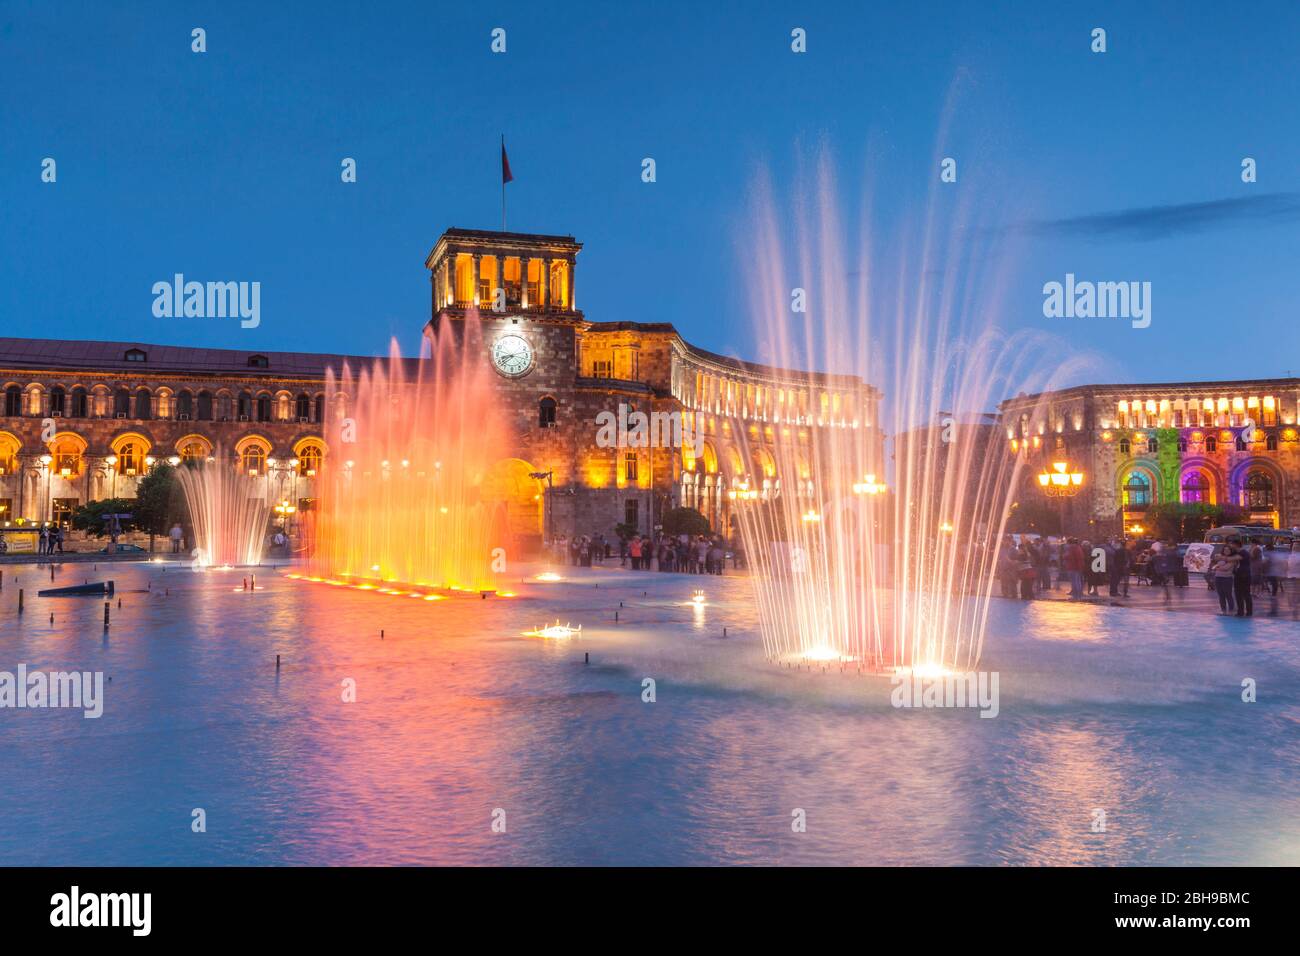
(1226, 443)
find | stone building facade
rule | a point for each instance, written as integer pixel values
(1225, 443)
(84, 421)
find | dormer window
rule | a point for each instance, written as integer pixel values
(136, 355)
(257, 361)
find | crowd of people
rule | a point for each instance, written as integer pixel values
(684, 553)
(1238, 570)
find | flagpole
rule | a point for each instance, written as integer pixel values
(503, 186)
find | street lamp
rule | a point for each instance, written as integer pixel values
(1060, 481)
(111, 461)
(869, 486)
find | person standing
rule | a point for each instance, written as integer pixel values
(634, 552)
(176, 534)
(1072, 562)
(1241, 581)
(1222, 569)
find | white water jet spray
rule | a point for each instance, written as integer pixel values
(229, 512)
(849, 564)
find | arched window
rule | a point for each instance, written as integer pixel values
(193, 453)
(253, 459)
(1124, 446)
(302, 407)
(264, 408)
(1258, 492)
(1270, 443)
(1137, 490)
(67, 455)
(245, 407)
(320, 409)
(58, 401)
(130, 459)
(1153, 445)
(13, 400)
(309, 459)
(1240, 443)
(142, 404)
(185, 405)
(79, 403)
(205, 406)
(1196, 488)
(1211, 443)
(546, 413)
(121, 403)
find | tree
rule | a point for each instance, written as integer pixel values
(685, 521)
(158, 505)
(1034, 515)
(1188, 521)
(90, 516)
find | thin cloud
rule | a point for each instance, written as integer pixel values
(1163, 222)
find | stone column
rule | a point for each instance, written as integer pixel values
(546, 283)
(573, 297)
(501, 279)
(477, 272)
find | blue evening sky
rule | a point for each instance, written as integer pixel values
(225, 165)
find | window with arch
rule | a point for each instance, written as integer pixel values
(8, 457)
(185, 404)
(205, 406)
(80, 403)
(264, 408)
(1240, 443)
(1153, 445)
(302, 407)
(1196, 488)
(13, 400)
(130, 458)
(309, 460)
(1270, 443)
(1257, 495)
(253, 459)
(121, 402)
(58, 401)
(1124, 446)
(1211, 443)
(67, 450)
(244, 407)
(546, 413)
(320, 409)
(142, 409)
(1137, 490)
(194, 453)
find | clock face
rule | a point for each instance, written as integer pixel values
(512, 355)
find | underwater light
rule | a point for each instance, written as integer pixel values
(556, 631)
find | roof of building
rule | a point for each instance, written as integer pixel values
(110, 356)
(1226, 385)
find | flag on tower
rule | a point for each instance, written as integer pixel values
(505, 164)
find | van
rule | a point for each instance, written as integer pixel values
(1255, 534)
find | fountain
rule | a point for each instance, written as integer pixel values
(411, 440)
(846, 568)
(228, 512)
